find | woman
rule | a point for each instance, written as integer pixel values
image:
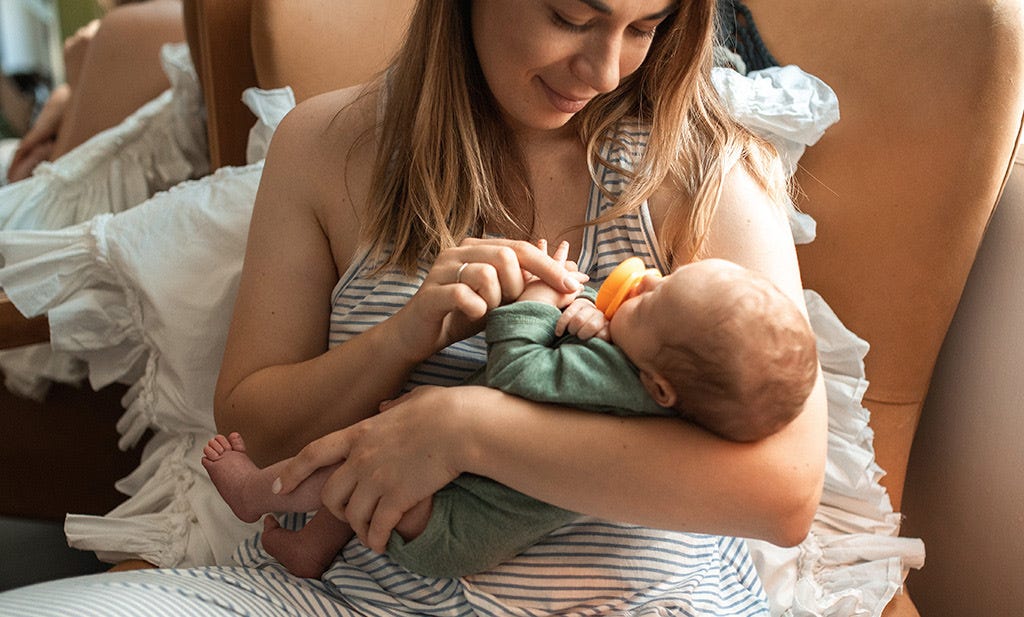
(524, 120)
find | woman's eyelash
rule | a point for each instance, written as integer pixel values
(566, 24)
(645, 34)
(574, 27)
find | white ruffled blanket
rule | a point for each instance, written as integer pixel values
(144, 296)
(157, 147)
(141, 301)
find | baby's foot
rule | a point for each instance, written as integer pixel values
(288, 548)
(234, 473)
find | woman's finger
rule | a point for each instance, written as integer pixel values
(330, 449)
(531, 259)
(473, 265)
(384, 520)
(360, 508)
(483, 279)
(337, 491)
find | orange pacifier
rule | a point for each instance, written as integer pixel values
(620, 283)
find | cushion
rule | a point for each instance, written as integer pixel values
(144, 297)
(852, 562)
(158, 146)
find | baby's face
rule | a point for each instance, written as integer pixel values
(662, 309)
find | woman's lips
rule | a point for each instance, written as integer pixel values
(562, 103)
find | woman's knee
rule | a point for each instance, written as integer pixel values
(121, 70)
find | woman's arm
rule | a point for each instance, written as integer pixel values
(278, 385)
(657, 472)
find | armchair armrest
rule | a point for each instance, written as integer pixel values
(16, 329)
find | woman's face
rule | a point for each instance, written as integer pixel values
(544, 60)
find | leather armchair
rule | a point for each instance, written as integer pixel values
(902, 187)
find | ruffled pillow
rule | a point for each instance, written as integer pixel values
(789, 108)
(144, 297)
(158, 146)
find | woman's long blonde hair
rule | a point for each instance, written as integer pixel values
(447, 165)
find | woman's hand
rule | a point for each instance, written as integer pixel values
(389, 463)
(37, 144)
(469, 280)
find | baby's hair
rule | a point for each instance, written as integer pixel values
(743, 392)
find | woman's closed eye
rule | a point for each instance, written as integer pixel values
(565, 23)
(643, 33)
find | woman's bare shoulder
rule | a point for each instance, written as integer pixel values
(324, 136)
(322, 123)
(747, 224)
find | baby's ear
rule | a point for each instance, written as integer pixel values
(659, 388)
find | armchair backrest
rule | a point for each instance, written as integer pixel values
(313, 46)
(904, 185)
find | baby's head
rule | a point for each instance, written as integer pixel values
(722, 345)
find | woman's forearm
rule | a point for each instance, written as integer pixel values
(657, 472)
(281, 408)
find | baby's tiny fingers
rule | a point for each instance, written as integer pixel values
(562, 252)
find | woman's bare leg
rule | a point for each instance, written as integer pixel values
(121, 70)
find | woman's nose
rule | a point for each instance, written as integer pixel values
(598, 64)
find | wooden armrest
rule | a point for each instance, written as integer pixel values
(219, 36)
(17, 330)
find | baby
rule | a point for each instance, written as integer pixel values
(712, 342)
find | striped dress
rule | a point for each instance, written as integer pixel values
(588, 567)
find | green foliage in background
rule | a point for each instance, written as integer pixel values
(76, 13)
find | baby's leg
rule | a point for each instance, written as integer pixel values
(247, 489)
(413, 522)
(309, 551)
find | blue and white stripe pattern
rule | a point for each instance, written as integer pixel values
(589, 567)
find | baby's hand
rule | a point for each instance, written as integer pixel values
(584, 320)
(537, 290)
